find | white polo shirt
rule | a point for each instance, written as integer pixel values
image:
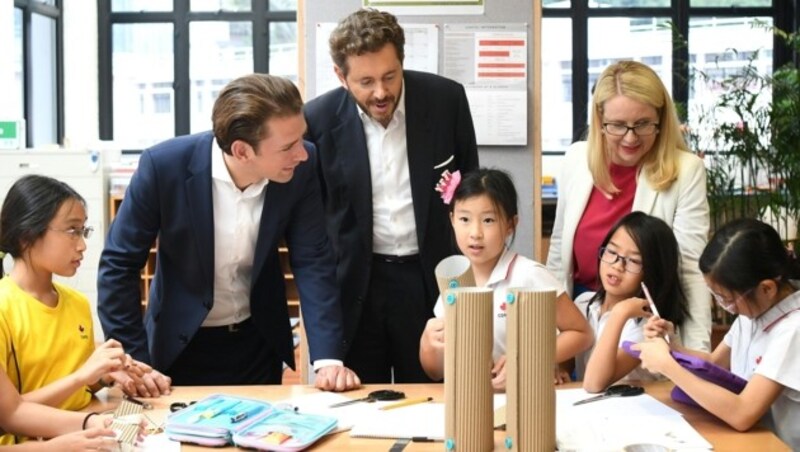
(512, 270)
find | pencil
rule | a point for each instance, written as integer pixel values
(406, 402)
(653, 306)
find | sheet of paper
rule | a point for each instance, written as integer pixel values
(425, 420)
(614, 423)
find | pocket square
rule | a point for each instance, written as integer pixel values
(445, 163)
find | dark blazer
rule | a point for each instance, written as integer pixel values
(440, 135)
(169, 197)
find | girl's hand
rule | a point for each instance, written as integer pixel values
(499, 375)
(433, 335)
(657, 328)
(99, 438)
(632, 308)
(654, 355)
(561, 376)
(108, 357)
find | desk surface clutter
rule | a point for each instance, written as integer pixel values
(652, 417)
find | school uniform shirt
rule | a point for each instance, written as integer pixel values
(769, 346)
(512, 270)
(632, 331)
(40, 344)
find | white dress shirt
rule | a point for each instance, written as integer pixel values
(237, 217)
(394, 228)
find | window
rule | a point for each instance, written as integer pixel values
(38, 76)
(599, 32)
(191, 49)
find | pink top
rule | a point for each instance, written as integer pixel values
(600, 215)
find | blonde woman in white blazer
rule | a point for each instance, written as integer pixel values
(634, 123)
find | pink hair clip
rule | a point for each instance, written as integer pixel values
(447, 185)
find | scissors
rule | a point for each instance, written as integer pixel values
(380, 395)
(177, 406)
(614, 391)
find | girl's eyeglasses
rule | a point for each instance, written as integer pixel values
(629, 264)
(726, 304)
(76, 233)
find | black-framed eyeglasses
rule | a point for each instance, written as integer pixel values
(611, 257)
(640, 130)
(76, 233)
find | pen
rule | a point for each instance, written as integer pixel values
(242, 415)
(653, 306)
(406, 402)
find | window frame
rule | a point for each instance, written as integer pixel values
(180, 17)
(785, 16)
(29, 8)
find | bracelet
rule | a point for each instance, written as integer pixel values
(86, 419)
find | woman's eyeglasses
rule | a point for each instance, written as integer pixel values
(640, 130)
(611, 257)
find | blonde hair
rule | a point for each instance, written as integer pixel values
(638, 82)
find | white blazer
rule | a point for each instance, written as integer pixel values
(683, 206)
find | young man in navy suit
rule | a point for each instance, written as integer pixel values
(385, 137)
(219, 203)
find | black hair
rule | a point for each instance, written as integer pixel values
(660, 263)
(30, 205)
(494, 183)
(744, 252)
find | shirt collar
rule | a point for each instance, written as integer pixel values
(778, 312)
(399, 112)
(502, 270)
(219, 171)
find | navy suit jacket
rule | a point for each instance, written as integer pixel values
(440, 136)
(170, 198)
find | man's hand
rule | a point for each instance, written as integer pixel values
(141, 380)
(336, 378)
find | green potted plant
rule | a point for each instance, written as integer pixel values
(750, 138)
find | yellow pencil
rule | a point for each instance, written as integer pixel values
(407, 402)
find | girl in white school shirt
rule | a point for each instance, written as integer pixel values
(748, 271)
(483, 213)
(638, 249)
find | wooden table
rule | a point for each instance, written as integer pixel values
(714, 430)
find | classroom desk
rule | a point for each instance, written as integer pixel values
(714, 430)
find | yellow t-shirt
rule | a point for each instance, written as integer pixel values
(39, 344)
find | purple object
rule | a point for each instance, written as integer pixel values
(701, 368)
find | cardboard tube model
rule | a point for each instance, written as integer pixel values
(469, 410)
(453, 272)
(530, 361)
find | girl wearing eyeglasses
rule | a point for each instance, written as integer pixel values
(639, 248)
(748, 271)
(46, 334)
(634, 159)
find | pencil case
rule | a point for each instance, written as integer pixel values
(284, 430)
(702, 369)
(213, 420)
